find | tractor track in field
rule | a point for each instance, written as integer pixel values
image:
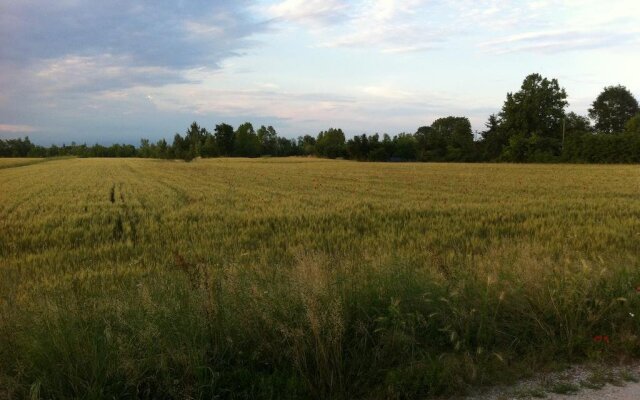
(127, 219)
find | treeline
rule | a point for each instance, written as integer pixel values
(532, 126)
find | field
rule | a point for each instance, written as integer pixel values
(298, 278)
(18, 162)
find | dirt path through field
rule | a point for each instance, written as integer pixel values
(631, 391)
(615, 383)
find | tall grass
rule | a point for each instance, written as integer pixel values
(309, 279)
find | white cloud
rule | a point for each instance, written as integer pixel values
(315, 13)
(9, 128)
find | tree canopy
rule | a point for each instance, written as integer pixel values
(613, 108)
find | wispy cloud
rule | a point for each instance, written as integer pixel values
(394, 26)
(562, 41)
(9, 128)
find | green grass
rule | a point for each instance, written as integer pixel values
(299, 278)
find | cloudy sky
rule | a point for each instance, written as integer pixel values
(118, 70)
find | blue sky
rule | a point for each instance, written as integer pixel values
(119, 70)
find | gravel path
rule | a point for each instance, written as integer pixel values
(629, 392)
(616, 383)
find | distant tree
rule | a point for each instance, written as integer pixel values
(494, 139)
(224, 137)
(358, 148)
(196, 136)
(162, 149)
(145, 149)
(538, 108)
(246, 143)
(287, 147)
(532, 119)
(377, 149)
(577, 124)
(633, 125)
(430, 144)
(268, 138)
(457, 136)
(307, 145)
(16, 147)
(613, 108)
(181, 148)
(209, 147)
(447, 139)
(331, 143)
(405, 147)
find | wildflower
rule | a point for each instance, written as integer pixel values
(597, 339)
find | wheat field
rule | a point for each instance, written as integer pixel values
(300, 277)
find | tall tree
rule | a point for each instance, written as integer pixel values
(224, 139)
(532, 120)
(405, 147)
(613, 108)
(268, 138)
(307, 145)
(538, 108)
(195, 136)
(331, 143)
(447, 139)
(246, 143)
(494, 139)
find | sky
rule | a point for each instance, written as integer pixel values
(100, 71)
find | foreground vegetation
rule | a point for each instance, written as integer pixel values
(299, 278)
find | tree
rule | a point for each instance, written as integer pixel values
(307, 145)
(331, 143)
(612, 109)
(405, 147)
(224, 139)
(538, 108)
(268, 138)
(145, 149)
(447, 139)
(162, 149)
(633, 125)
(358, 148)
(577, 125)
(533, 117)
(494, 139)
(287, 147)
(430, 144)
(246, 143)
(458, 137)
(180, 148)
(209, 147)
